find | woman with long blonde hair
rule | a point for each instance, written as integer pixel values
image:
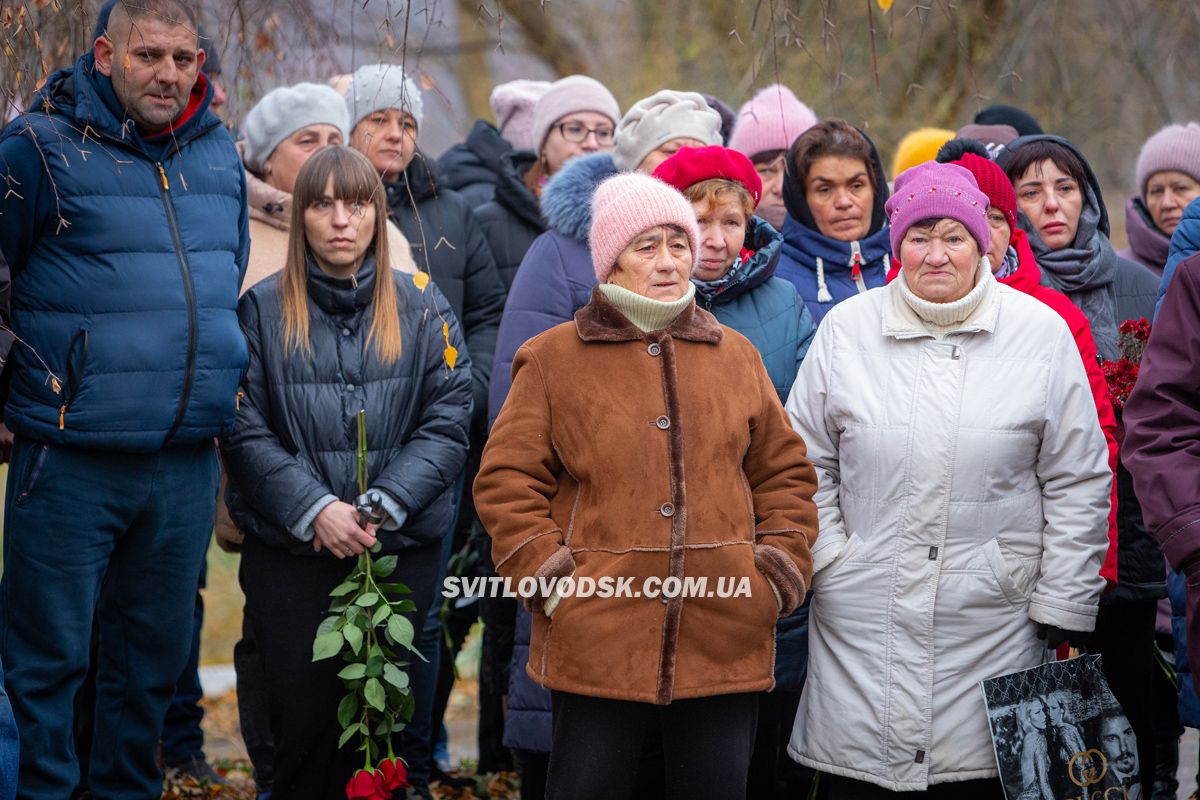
(332, 335)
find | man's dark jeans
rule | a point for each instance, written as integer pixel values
(118, 536)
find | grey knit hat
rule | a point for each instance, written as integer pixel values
(284, 111)
(657, 119)
(377, 87)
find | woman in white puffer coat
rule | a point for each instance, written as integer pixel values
(964, 495)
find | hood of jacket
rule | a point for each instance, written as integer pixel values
(1009, 150)
(476, 159)
(765, 244)
(268, 205)
(567, 198)
(796, 201)
(420, 181)
(81, 93)
(805, 245)
(1147, 244)
(511, 191)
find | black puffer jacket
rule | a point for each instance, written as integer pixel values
(512, 220)
(448, 243)
(295, 438)
(472, 166)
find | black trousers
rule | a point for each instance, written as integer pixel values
(599, 744)
(837, 788)
(1124, 637)
(287, 596)
(773, 774)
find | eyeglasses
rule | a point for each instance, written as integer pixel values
(577, 133)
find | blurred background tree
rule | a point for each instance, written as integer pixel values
(1105, 73)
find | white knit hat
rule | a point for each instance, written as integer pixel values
(378, 87)
(657, 119)
(284, 111)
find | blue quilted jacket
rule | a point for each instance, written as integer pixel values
(765, 309)
(126, 258)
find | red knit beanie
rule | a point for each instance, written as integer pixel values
(994, 183)
(691, 165)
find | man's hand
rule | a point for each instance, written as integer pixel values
(6, 443)
(337, 529)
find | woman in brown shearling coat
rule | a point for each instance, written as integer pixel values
(645, 440)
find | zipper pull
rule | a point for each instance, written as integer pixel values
(163, 173)
(62, 413)
(237, 401)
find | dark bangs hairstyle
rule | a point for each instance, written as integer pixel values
(1035, 153)
(354, 181)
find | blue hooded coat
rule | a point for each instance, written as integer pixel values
(823, 269)
(765, 309)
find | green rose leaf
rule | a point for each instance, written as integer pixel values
(393, 675)
(347, 734)
(347, 709)
(346, 587)
(400, 630)
(328, 645)
(367, 599)
(354, 638)
(382, 567)
(375, 694)
(353, 672)
(382, 613)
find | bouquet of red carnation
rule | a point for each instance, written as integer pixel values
(1122, 374)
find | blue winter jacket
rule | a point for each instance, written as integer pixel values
(810, 258)
(554, 280)
(126, 259)
(1184, 242)
(765, 309)
(556, 276)
(822, 268)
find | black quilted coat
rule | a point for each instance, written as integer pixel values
(295, 436)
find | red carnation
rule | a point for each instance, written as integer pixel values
(395, 774)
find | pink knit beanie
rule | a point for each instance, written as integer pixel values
(567, 96)
(771, 120)
(933, 190)
(513, 103)
(1174, 148)
(629, 203)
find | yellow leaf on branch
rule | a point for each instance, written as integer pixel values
(421, 279)
(451, 356)
(886, 5)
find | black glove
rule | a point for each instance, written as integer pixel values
(1056, 636)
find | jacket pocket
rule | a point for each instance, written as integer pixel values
(77, 357)
(1010, 584)
(35, 462)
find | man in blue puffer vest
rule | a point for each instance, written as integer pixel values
(124, 222)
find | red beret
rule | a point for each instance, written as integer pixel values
(691, 165)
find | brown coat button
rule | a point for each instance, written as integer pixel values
(667, 510)
(654, 349)
(663, 422)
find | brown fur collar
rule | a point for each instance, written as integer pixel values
(601, 321)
